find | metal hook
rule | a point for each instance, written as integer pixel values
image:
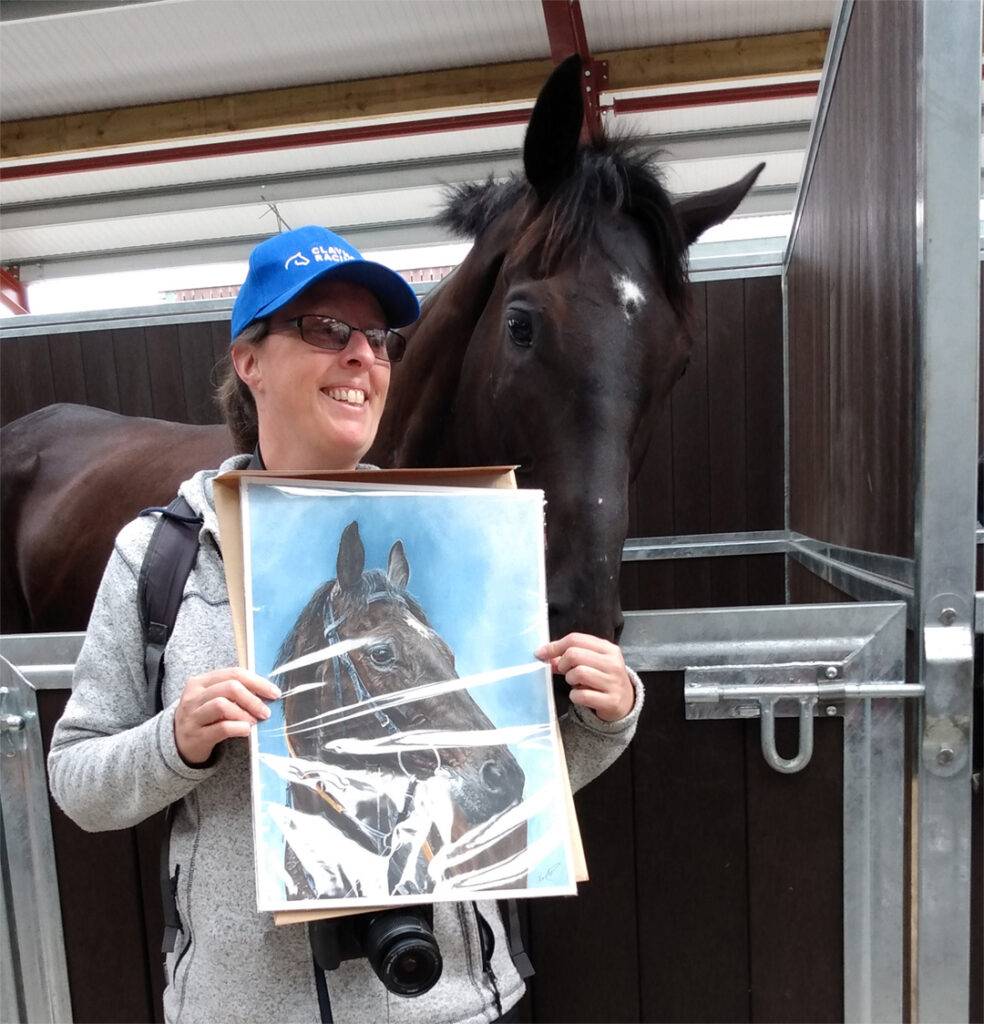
(787, 766)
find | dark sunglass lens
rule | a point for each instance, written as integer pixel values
(395, 346)
(377, 342)
(332, 335)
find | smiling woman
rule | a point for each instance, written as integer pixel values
(314, 340)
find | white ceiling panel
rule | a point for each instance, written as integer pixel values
(624, 24)
(180, 49)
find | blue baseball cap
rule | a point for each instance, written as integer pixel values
(283, 266)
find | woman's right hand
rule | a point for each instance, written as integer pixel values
(217, 705)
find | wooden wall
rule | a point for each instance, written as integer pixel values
(164, 371)
(851, 299)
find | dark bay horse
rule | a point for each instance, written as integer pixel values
(552, 346)
(386, 651)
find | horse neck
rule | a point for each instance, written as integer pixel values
(415, 427)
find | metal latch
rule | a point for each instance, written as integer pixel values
(771, 691)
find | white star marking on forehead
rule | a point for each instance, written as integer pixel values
(629, 294)
(417, 626)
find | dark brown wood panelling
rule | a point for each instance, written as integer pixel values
(108, 956)
(197, 359)
(851, 288)
(99, 366)
(166, 376)
(132, 372)
(66, 367)
(26, 381)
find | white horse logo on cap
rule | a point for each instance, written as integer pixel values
(297, 260)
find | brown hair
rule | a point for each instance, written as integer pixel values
(233, 395)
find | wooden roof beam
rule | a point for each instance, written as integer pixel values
(402, 95)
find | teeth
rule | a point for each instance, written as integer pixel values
(349, 395)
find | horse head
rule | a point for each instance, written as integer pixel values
(556, 341)
(385, 649)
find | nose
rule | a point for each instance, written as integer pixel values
(358, 351)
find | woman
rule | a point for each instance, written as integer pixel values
(311, 359)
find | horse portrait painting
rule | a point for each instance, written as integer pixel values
(552, 347)
(381, 740)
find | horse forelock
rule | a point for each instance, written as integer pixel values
(618, 173)
(374, 586)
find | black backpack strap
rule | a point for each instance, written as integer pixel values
(514, 936)
(169, 559)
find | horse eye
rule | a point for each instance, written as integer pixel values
(520, 329)
(382, 654)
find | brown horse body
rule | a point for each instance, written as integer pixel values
(72, 476)
(552, 347)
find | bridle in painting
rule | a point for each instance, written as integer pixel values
(342, 666)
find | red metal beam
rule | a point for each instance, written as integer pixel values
(709, 97)
(294, 140)
(13, 293)
(394, 129)
(565, 30)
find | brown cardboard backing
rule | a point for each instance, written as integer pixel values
(226, 490)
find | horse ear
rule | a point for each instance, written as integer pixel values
(351, 558)
(554, 131)
(699, 212)
(398, 569)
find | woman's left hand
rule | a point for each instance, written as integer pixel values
(595, 671)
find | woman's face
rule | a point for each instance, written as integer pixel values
(307, 419)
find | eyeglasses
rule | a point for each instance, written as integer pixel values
(331, 335)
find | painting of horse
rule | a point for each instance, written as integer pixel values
(380, 737)
(552, 347)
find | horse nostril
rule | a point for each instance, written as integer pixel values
(493, 777)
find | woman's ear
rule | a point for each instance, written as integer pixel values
(244, 358)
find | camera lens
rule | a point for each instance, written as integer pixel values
(403, 952)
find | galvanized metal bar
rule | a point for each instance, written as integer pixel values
(705, 545)
(979, 611)
(947, 344)
(32, 884)
(673, 641)
(45, 660)
(860, 584)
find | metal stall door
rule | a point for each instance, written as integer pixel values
(35, 977)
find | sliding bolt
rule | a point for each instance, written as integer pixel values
(948, 616)
(831, 710)
(830, 672)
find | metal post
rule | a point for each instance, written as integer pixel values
(947, 341)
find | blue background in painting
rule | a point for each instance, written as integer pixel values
(474, 561)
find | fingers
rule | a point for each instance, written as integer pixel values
(234, 693)
(219, 705)
(250, 680)
(605, 705)
(595, 670)
(584, 640)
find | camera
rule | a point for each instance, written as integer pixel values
(399, 944)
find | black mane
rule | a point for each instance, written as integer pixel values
(616, 173)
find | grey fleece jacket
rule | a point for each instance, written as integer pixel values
(114, 762)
